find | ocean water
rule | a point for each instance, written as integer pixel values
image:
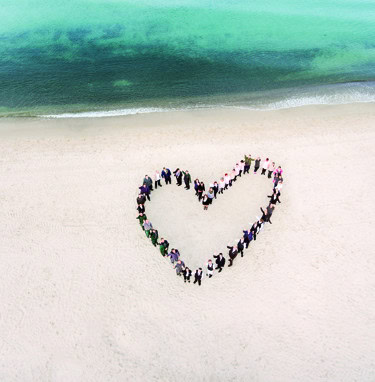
(109, 57)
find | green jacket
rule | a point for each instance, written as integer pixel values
(141, 218)
(187, 177)
(248, 160)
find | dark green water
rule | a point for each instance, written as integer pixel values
(86, 55)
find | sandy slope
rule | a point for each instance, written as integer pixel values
(85, 297)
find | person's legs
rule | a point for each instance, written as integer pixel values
(156, 184)
(199, 282)
(263, 171)
(269, 174)
(230, 262)
(147, 232)
(148, 197)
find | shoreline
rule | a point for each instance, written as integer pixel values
(270, 100)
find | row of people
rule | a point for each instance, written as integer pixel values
(248, 235)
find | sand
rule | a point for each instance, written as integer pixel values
(86, 297)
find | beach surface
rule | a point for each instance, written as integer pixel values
(84, 296)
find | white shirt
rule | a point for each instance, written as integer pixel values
(266, 164)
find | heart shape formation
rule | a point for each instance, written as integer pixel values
(242, 168)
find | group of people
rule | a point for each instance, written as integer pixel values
(241, 168)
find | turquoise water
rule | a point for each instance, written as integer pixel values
(62, 56)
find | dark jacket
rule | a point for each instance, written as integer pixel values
(232, 252)
(187, 273)
(166, 174)
(198, 275)
(145, 189)
(141, 199)
(220, 260)
(240, 246)
(274, 198)
(187, 178)
(141, 209)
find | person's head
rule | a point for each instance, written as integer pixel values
(237, 164)
(173, 250)
(226, 175)
(164, 168)
(281, 181)
(140, 214)
(209, 261)
(222, 179)
(242, 161)
(267, 160)
(273, 163)
(147, 221)
(202, 184)
(211, 190)
(161, 240)
(215, 183)
(220, 254)
(200, 269)
(187, 172)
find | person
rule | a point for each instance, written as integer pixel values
(210, 195)
(215, 187)
(179, 267)
(148, 182)
(247, 236)
(275, 197)
(266, 163)
(154, 234)
(279, 171)
(198, 276)
(233, 177)
(265, 217)
(271, 169)
(141, 199)
(248, 160)
(163, 246)
(233, 252)
(141, 217)
(147, 226)
(178, 174)
(187, 180)
(254, 230)
(196, 185)
(241, 246)
(206, 202)
(157, 179)
(201, 188)
(279, 185)
(260, 225)
(238, 170)
(256, 165)
(210, 269)
(187, 274)
(167, 175)
(141, 208)
(145, 190)
(221, 185)
(242, 167)
(174, 255)
(220, 261)
(227, 180)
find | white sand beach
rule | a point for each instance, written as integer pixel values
(84, 296)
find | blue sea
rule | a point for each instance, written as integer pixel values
(115, 57)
